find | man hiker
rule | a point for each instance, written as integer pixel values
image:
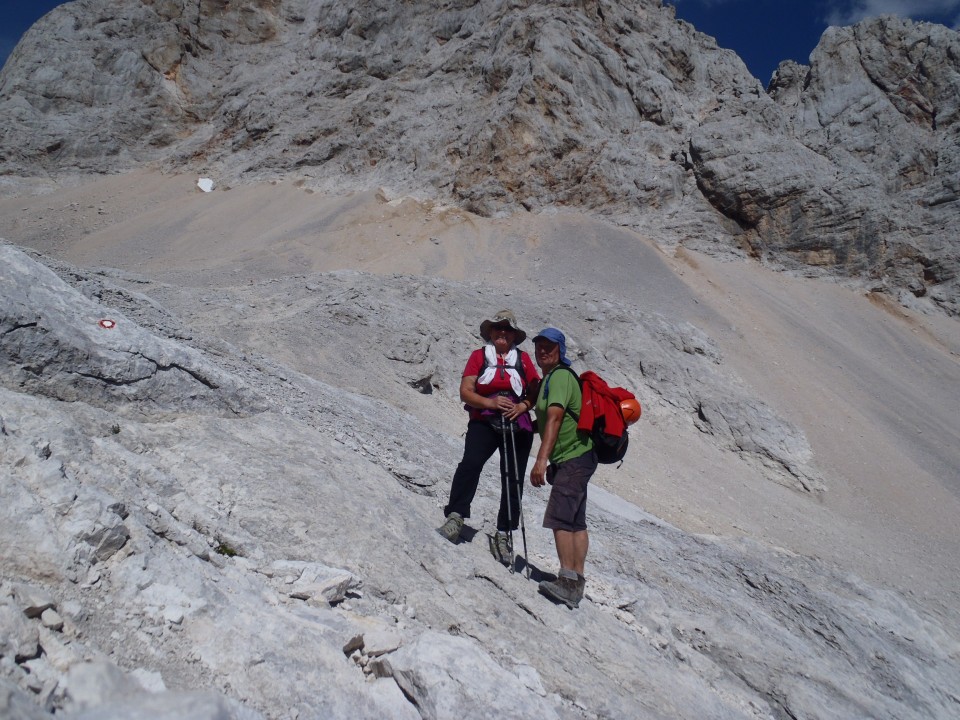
(566, 461)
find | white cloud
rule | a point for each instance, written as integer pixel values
(862, 9)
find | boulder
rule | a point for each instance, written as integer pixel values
(450, 677)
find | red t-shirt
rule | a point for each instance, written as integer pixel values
(501, 381)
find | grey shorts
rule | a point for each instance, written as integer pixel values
(567, 506)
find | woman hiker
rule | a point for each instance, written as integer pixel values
(497, 387)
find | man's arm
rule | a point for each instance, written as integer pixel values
(538, 476)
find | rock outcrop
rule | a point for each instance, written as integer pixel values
(867, 183)
(54, 342)
(848, 167)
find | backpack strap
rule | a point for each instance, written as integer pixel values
(546, 387)
(518, 367)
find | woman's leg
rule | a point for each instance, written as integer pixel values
(523, 442)
(481, 442)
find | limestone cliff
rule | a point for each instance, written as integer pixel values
(848, 166)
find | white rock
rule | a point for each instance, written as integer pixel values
(32, 600)
(452, 677)
(61, 655)
(18, 636)
(530, 678)
(149, 680)
(51, 619)
(380, 642)
(315, 581)
(173, 614)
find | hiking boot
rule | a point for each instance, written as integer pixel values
(565, 589)
(502, 547)
(452, 527)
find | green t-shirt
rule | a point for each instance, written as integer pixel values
(565, 392)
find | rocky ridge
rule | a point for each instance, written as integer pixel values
(299, 524)
(848, 166)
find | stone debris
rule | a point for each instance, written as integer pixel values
(379, 643)
(18, 703)
(19, 638)
(51, 619)
(33, 601)
(447, 677)
(59, 649)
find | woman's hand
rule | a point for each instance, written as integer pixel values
(517, 410)
(503, 404)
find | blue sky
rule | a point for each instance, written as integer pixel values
(762, 32)
(16, 16)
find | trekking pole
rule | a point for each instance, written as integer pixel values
(516, 472)
(506, 480)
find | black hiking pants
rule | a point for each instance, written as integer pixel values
(483, 440)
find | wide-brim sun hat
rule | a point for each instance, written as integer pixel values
(502, 317)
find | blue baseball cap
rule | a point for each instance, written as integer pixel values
(557, 338)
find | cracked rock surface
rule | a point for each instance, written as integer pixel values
(281, 561)
(70, 350)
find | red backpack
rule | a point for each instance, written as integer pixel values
(601, 416)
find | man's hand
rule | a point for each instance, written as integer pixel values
(538, 476)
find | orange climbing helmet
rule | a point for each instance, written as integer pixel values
(631, 410)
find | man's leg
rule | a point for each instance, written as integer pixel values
(569, 586)
(566, 515)
(572, 549)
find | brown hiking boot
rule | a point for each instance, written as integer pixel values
(502, 547)
(568, 588)
(452, 527)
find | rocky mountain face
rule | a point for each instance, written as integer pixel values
(221, 467)
(845, 167)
